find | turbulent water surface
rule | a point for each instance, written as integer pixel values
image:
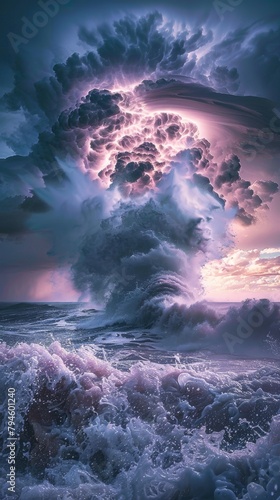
(109, 412)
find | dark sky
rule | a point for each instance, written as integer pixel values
(75, 11)
(227, 56)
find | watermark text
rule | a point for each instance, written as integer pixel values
(11, 440)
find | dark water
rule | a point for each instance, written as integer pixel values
(115, 412)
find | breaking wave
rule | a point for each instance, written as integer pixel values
(91, 428)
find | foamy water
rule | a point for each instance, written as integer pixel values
(125, 419)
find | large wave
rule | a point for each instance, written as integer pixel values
(89, 428)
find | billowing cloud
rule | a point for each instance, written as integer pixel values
(265, 190)
(133, 112)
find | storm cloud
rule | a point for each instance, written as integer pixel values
(127, 111)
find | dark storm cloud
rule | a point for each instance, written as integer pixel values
(13, 221)
(244, 217)
(266, 189)
(35, 205)
(204, 183)
(228, 172)
(263, 57)
(231, 43)
(240, 113)
(253, 55)
(86, 35)
(94, 120)
(134, 46)
(63, 117)
(138, 47)
(92, 111)
(50, 97)
(240, 194)
(17, 177)
(73, 127)
(244, 197)
(131, 171)
(224, 79)
(144, 46)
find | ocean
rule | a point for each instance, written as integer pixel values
(114, 412)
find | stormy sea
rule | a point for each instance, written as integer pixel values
(140, 252)
(118, 412)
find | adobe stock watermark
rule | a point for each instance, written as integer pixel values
(246, 328)
(31, 27)
(264, 137)
(11, 441)
(223, 6)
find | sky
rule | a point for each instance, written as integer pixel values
(139, 142)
